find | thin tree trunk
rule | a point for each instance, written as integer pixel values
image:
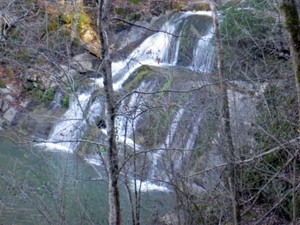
(290, 14)
(74, 24)
(137, 188)
(225, 117)
(113, 167)
(291, 18)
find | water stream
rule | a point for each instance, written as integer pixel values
(164, 50)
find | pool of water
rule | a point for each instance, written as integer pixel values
(42, 187)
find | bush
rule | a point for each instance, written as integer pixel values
(65, 101)
(120, 11)
(135, 1)
(2, 84)
(83, 23)
(43, 96)
(49, 95)
(135, 17)
(38, 94)
(245, 24)
(65, 19)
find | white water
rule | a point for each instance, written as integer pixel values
(131, 113)
(146, 186)
(203, 55)
(173, 128)
(156, 50)
(156, 155)
(192, 138)
(65, 134)
(160, 49)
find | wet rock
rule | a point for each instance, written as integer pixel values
(126, 40)
(10, 114)
(100, 123)
(196, 6)
(84, 62)
(25, 103)
(4, 91)
(6, 101)
(2, 124)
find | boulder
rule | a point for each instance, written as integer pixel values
(37, 79)
(196, 6)
(25, 103)
(6, 101)
(4, 91)
(10, 114)
(84, 62)
(66, 73)
(2, 123)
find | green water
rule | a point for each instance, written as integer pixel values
(40, 187)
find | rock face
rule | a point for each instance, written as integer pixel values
(10, 114)
(85, 62)
(11, 103)
(37, 79)
(159, 7)
(197, 6)
(126, 40)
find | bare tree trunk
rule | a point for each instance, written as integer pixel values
(290, 14)
(291, 18)
(75, 23)
(225, 117)
(113, 167)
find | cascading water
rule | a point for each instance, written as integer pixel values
(203, 55)
(164, 50)
(132, 110)
(161, 49)
(71, 126)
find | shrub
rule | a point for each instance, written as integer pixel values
(65, 101)
(120, 11)
(49, 95)
(245, 24)
(136, 17)
(83, 23)
(65, 19)
(38, 95)
(2, 84)
(135, 1)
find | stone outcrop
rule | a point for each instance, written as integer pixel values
(12, 103)
(159, 7)
(38, 79)
(85, 62)
(196, 6)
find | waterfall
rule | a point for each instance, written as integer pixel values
(161, 49)
(203, 54)
(129, 115)
(173, 128)
(71, 126)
